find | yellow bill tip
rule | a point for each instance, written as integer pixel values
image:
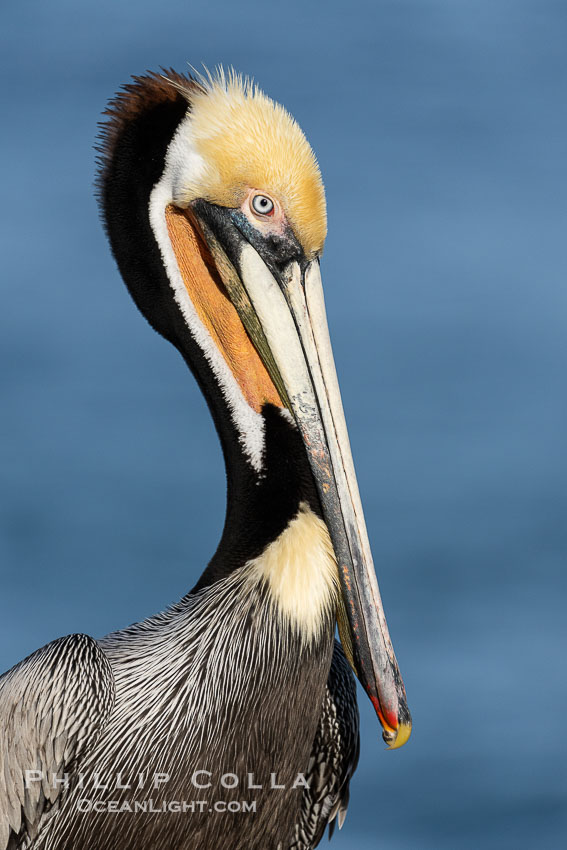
(397, 739)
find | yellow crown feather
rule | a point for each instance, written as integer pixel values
(246, 140)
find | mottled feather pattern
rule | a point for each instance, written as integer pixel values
(211, 684)
(333, 759)
(53, 706)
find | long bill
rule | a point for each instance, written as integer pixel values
(284, 313)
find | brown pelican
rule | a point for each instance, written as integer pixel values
(229, 720)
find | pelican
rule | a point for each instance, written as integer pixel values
(230, 719)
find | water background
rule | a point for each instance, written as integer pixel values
(441, 131)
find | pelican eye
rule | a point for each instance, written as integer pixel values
(262, 205)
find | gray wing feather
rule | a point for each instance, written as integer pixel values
(53, 706)
(334, 758)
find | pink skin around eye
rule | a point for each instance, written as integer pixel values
(273, 222)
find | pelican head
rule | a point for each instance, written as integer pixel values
(235, 212)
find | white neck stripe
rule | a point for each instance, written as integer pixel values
(249, 423)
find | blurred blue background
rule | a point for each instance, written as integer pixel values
(441, 130)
